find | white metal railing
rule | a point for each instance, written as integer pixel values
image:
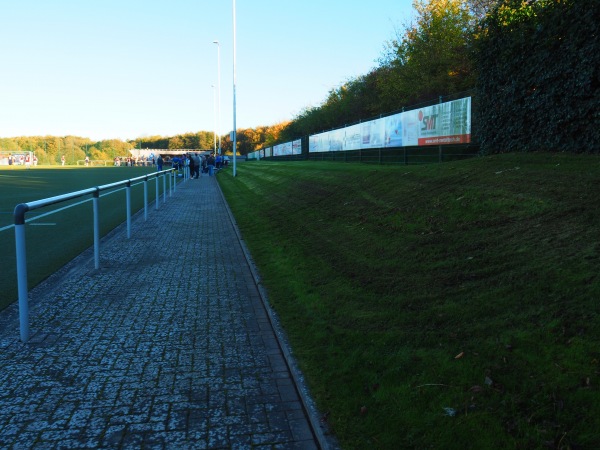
(22, 208)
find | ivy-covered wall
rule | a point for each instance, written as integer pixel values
(539, 73)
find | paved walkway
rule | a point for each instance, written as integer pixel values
(167, 345)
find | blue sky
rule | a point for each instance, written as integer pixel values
(126, 69)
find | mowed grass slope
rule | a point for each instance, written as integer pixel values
(55, 239)
(447, 306)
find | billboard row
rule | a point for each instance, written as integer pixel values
(288, 148)
(441, 124)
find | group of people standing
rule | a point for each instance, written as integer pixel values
(197, 163)
(206, 163)
(26, 160)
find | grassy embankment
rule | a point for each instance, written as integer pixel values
(54, 240)
(447, 306)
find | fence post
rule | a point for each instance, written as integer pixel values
(170, 184)
(20, 211)
(128, 207)
(96, 208)
(146, 198)
(164, 178)
(157, 196)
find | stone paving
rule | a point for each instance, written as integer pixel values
(167, 345)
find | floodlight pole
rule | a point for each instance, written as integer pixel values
(218, 92)
(214, 120)
(234, 124)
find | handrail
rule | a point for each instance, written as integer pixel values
(23, 208)
(19, 219)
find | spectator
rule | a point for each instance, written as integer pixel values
(191, 165)
(210, 162)
(176, 162)
(197, 163)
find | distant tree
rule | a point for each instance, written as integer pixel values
(99, 155)
(175, 142)
(8, 144)
(157, 142)
(273, 134)
(206, 140)
(351, 102)
(245, 141)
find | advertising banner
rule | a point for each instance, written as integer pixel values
(278, 150)
(285, 149)
(372, 134)
(446, 123)
(315, 143)
(352, 137)
(297, 147)
(393, 130)
(441, 124)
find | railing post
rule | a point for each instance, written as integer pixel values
(146, 198)
(128, 207)
(164, 178)
(20, 211)
(174, 180)
(157, 196)
(170, 184)
(96, 207)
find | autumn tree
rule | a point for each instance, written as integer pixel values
(433, 57)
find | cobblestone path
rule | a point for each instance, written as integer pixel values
(167, 345)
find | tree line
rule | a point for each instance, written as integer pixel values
(50, 149)
(532, 67)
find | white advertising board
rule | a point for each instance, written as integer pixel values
(441, 124)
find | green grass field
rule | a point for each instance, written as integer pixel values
(447, 306)
(55, 239)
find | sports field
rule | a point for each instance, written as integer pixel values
(54, 239)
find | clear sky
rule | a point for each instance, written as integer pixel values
(126, 69)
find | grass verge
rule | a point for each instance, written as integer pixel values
(442, 306)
